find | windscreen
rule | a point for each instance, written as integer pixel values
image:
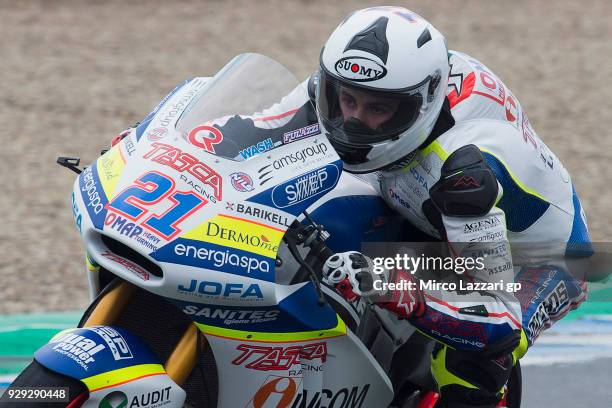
(245, 108)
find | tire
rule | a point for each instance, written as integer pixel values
(36, 375)
(515, 387)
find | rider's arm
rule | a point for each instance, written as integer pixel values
(462, 207)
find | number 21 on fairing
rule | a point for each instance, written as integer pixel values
(152, 188)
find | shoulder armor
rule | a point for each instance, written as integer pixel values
(467, 186)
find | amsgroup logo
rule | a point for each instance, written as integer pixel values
(360, 69)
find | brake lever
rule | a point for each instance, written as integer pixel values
(70, 163)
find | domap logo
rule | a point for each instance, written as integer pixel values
(360, 69)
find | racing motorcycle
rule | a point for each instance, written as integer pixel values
(206, 229)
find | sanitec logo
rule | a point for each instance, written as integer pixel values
(305, 186)
(360, 69)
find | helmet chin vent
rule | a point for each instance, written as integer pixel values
(120, 249)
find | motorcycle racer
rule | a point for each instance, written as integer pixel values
(451, 149)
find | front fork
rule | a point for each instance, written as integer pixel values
(183, 358)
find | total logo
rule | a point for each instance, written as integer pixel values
(242, 182)
(360, 69)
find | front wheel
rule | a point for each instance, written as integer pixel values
(35, 376)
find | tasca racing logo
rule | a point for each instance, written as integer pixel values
(266, 358)
(360, 69)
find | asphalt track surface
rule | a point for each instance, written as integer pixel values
(568, 368)
(586, 384)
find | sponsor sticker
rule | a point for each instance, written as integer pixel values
(305, 186)
(360, 69)
(214, 289)
(257, 148)
(279, 391)
(129, 265)
(185, 163)
(301, 133)
(205, 137)
(115, 342)
(78, 348)
(238, 233)
(242, 182)
(263, 214)
(265, 358)
(156, 134)
(229, 317)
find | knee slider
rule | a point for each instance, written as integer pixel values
(467, 185)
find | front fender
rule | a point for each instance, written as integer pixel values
(115, 366)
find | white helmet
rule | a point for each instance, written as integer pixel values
(396, 63)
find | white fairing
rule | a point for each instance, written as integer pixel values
(334, 373)
(147, 392)
(217, 257)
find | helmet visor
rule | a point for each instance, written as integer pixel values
(360, 116)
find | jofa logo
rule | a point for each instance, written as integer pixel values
(360, 69)
(224, 289)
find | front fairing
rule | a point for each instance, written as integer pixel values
(172, 204)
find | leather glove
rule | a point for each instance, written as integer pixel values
(351, 273)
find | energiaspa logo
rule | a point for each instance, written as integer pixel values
(360, 69)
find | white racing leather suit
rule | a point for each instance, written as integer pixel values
(536, 204)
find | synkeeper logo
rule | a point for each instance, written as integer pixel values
(360, 69)
(306, 186)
